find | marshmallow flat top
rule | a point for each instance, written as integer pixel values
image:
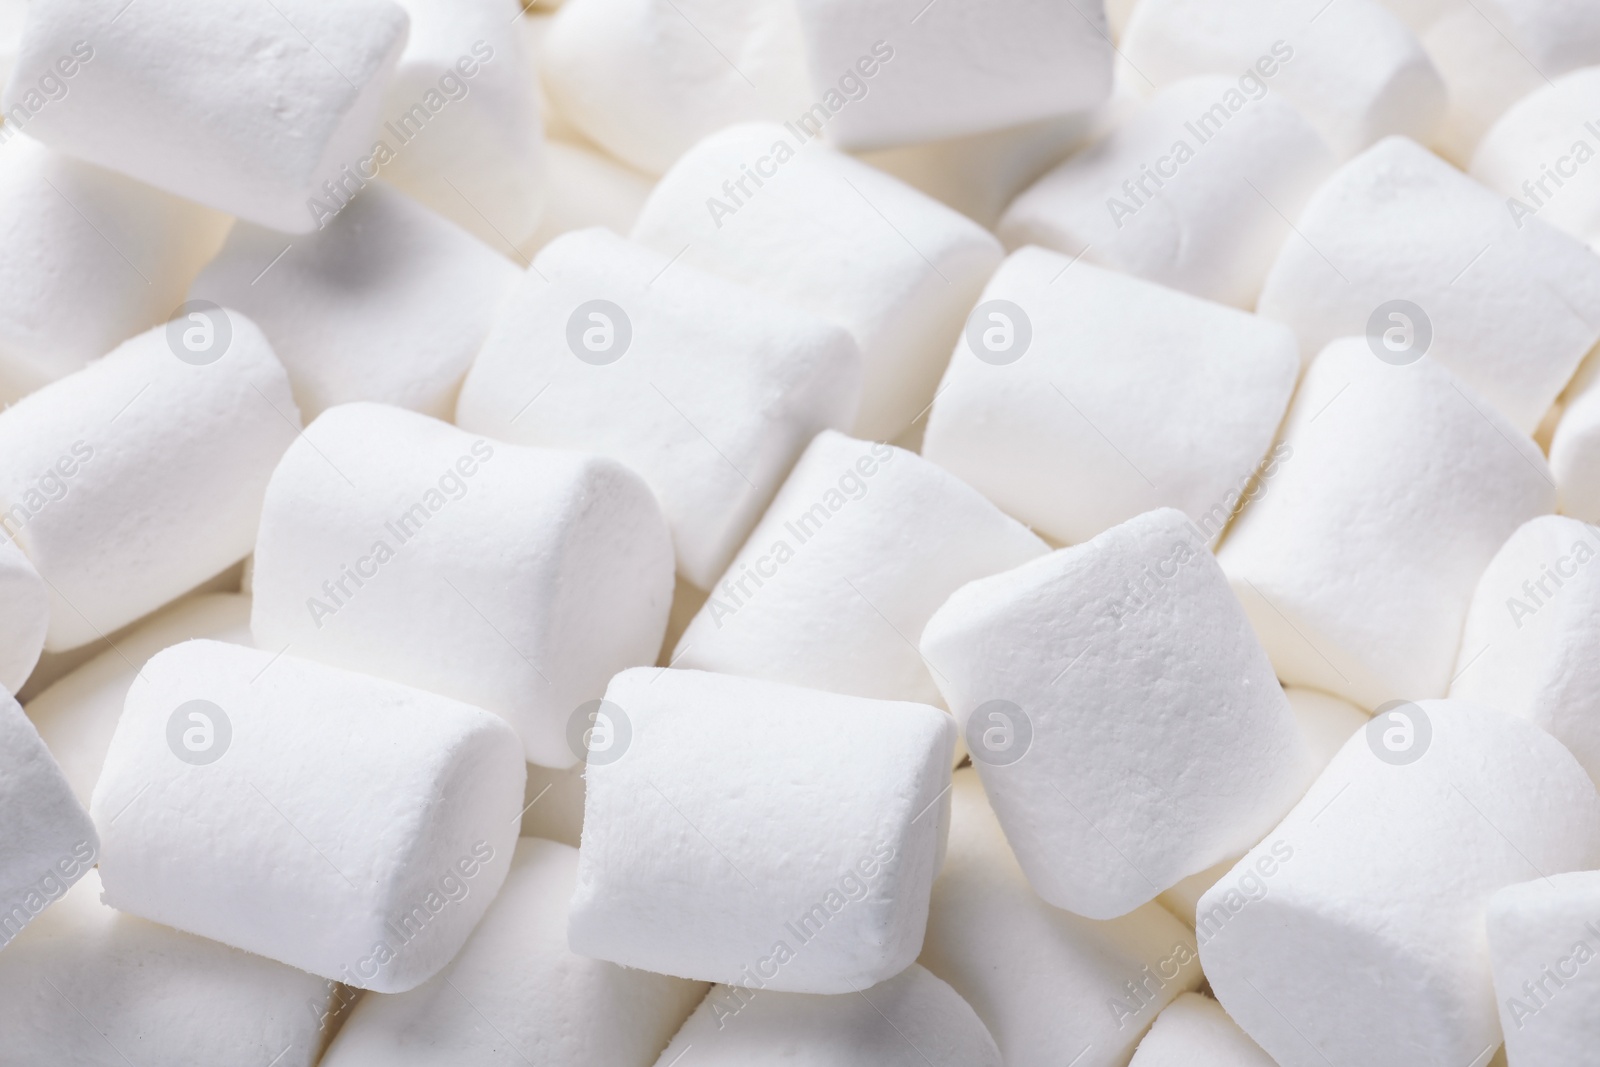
(1141, 734)
(26, 618)
(1544, 936)
(1194, 1031)
(541, 1001)
(1575, 446)
(46, 839)
(760, 835)
(515, 579)
(1358, 562)
(91, 258)
(1528, 646)
(244, 107)
(972, 66)
(769, 207)
(135, 479)
(833, 587)
(1192, 190)
(708, 389)
(311, 815)
(1537, 155)
(1305, 940)
(910, 1020)
(1042, 425)
(1048, 984)
(1511, 308)
(388, 303)
(1357, 72)
(87, 981)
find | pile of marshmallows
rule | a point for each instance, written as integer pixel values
(1061, 537)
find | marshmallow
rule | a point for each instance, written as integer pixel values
(1528, 647)
(1127, 726)
(515, 579)
(760, 835)
(646, 79)
(1544, 936)
(1194, 190)
(26, 618)
(965, 67)
(388, 303)
(13, 15)
(342, 824)
(911, 1020)
(1049, 985)
(1397, 486)
(1194, 1031)
(1354, 70)
(586, 187)
(517, 974)
(131, 481)
(46, 839)
(1538, 155)
(91, 258)
(707, 389)
(86, 982)
(1575, 446)
(77, 714)
(264, 111)
(1036, 416)
(1420, 15)
(838, 238)
(834, 586)
(463, 110)
(1305, 942)
(1484, 72)
(1510, 309)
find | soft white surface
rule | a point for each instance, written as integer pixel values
(1194, 1031)
(26, 616)
(585, 187)
(1544, 937)
(1540, 155)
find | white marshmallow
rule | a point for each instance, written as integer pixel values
(585, 187)
(1397, 487)
(881, 77)
(123, 983)
(1509, 309)
(389, 303)
(1528, 647)
(911, 1020)
(1532, 155)
(1484, 71)
(707, 389)
(26, 616)
(834, 586)
(515, 579)
(1422, 14)
(463, 112)
(840, 239)
(133, 480)
(1354, 69)
(1125, 722)
(1042, 426)
(77, 715)
(91, 258)
(1544, 936)
(1049, 985)
(1575, 446)
(1194, 190)
(1194, 1031)
(646, 79)
(760, 835)
(1345, 890)
(46, 839)
(516, 973)
(13, 15)
(265, 111)
(315, 816)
